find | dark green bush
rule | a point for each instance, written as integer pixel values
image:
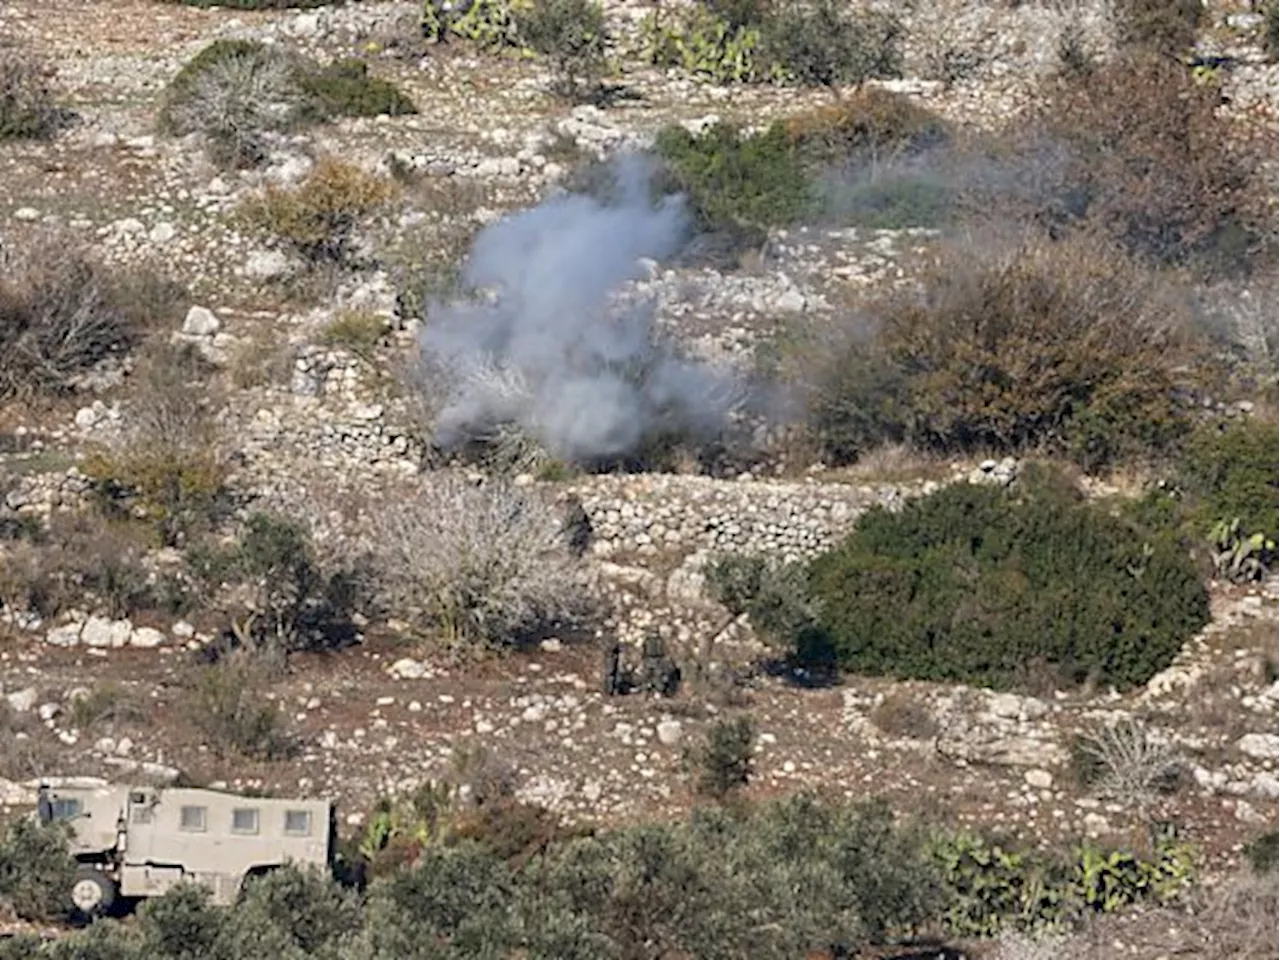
(723, 763)
(822, 43)
(979, 585)
(36, 870)
(227, 703)
(344, 88)
(574, 35)
(1263, 852)
(1229, 471)
(731, 179)
(27, 108)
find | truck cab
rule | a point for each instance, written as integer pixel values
(138, 841)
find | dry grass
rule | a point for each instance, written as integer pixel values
(902, 714)
(318, 218)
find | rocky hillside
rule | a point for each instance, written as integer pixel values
(261, 369)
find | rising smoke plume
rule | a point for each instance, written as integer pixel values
(549, 350)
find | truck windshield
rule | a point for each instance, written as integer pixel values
(66, 808)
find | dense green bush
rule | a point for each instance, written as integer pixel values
(980, 585)
(823, 43)
(722, 763)
(574, 35)
(732, 179)
(721, 46)
(27, 107)
(344, 88)
(36, 871)
(1228, 472)
(1057, 346)
(992, 887)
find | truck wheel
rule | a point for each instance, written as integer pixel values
(92, 892)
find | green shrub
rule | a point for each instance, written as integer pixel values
(1058, 346)
(976, 585)
(344, 88)
(991, 887)
(822, 43)
(36, 870)
(27, 108)
(773, 596)
(574, 35)
(1263, 852)
(260, 4)
(306, 905)
(295, 602)
(707, 44)
(491, 24)
(227, 704)
(723, 763)
(1228, 472)
(731, 179)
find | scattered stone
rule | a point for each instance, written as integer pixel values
(1260, 746)
(1039, 779)
(670, 732)
(200, 322)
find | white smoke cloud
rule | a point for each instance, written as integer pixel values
(551, 351)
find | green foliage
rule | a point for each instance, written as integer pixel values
(975, 584)
(260, 4)
(1270, 30)
(36, 870)
(227, 703)
(823, 43)
(305, 905)
(1263, 853)
(991, 888)
(355, 330)
(491, 24)
(1229, 472)
(774, 598)
(574, 35)
(27, 108)
(296, 604)
(731, 179)
(344, 88)
(1238, 556)
(723, 763)
(706, 44)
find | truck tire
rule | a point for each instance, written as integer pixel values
(92, 892)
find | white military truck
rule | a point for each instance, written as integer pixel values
(138, 842)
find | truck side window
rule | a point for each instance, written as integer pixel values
(244, 820)
(66, 809)
(297, 823)
(193, 819)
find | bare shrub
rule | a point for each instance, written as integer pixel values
(902, 714)
(486, 563)
(234, 100)
(1128, 764)
(1065, 346)
(1155, 166)
(1240, 918)
(27, 108)
(60, 316)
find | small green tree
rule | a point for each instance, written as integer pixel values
(36, 870)
(574, 35)
(723, 761)
(823, 44)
